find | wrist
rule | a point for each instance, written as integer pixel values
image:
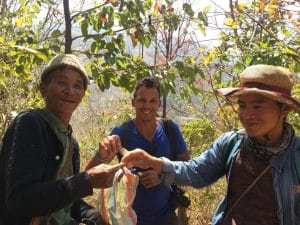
(91, 177)
(158, 164)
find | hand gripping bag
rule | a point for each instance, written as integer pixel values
(115, 203)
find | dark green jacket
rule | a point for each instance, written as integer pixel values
(29, 159)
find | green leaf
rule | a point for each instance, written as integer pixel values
(203, 18)
(106, 79)
(84, 27)
(179, 65)
(2, 83)
(33, 51)
(94, 47)
(290, 52)
(56, 33)
(35, 8)
(120, 63)
(147, 40)
(29, 21)
(206, 9)
(109, 58)
(188, 9)
(238, 67)
(200, 72)
(20, 22)
(286, 32)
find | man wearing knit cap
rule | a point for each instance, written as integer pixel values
(260, 162)
(40, 183)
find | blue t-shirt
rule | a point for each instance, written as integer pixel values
(151, 204)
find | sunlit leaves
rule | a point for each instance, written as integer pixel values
(231, 23)
(241, 6)
(188, 70)
(33, 51)
(147, 40)
(20, 22)
(203, 20)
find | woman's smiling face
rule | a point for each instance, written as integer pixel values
(261, 116)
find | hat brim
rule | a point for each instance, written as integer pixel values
(48, 70)
(231, 95)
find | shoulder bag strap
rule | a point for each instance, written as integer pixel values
(168, 128)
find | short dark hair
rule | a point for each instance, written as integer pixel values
(148, 82)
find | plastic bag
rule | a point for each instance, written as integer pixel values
(115, 203)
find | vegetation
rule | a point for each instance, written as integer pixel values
(121, 41)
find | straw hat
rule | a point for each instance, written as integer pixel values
(274, 82)
(66, 60)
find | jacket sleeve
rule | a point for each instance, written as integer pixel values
(29, 190)
(199, 171)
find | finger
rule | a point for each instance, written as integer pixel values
(142, 176)
(134, 155)
(113, 146)
(103, 149)
(123, 151)
(149, 172)
(118, 142)
(103, 145)
(137, 163)
(116, 167)
(106, 143)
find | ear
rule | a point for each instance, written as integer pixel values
(43, 89)
(132, 102)
(285, 109)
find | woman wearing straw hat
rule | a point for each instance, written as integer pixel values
(260, 162)
(40, 181)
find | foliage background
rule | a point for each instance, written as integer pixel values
(121, 41)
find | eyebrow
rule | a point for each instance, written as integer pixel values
(252, 102)
(62, 76)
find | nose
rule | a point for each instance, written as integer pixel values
(69, 89)
(147, 104)
(246, 113)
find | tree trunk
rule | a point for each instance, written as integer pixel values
(164, 106)
(3, 5)
(68, 31)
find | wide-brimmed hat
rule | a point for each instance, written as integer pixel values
(274, 82)
(66, 60)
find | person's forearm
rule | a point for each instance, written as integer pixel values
(93, 162)
(44, 197)
(96, 161)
